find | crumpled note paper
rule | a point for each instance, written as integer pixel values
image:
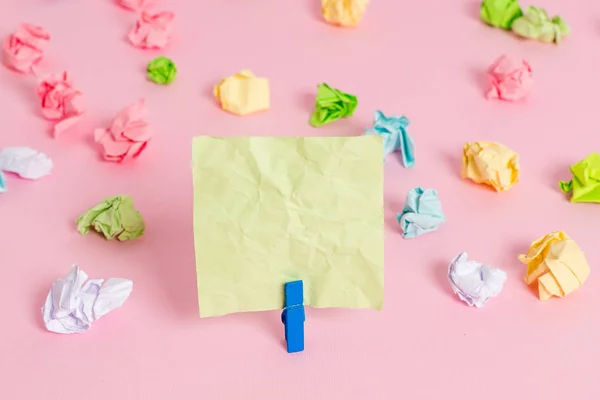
(133, 5)
(60, 101)
(344, 12)
(152, 31)
(500, 13)
(557, 264)
(2, 182)
(243, 93)
(473, 282)
(492, 164)
(536, 24)
(422, 213)
(331, 105)
(25, 162)
(395, 136)
(161, 70)
(114, 217)
(585, 184)
(74, 303)
(127, 136)
(268, 210)
(24, 49)
(509, 79)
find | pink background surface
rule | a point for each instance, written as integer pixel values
(422, 59)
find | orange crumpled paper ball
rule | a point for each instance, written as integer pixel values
(344, 12)
(557, 264)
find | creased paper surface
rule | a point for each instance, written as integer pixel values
(273, 210)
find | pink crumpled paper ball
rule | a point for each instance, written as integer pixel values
(509, 79)
(127, 136)
(133, 5)
(25, 48)
(60, 101)
(152, 31)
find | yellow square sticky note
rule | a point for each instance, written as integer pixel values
(269, 210)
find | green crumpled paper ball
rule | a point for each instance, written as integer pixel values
(332, 104)
(500, 13)
(585, 185)
(161, 70)
(536, 24)
(114, 217)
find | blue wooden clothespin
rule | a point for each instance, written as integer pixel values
(293, 316)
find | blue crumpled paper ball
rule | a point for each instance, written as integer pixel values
(2, 182)
(422, 213)
(395, 136)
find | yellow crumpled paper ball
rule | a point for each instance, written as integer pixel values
(243, 93)
(490, 163)
(344, 12)
(558, 265)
